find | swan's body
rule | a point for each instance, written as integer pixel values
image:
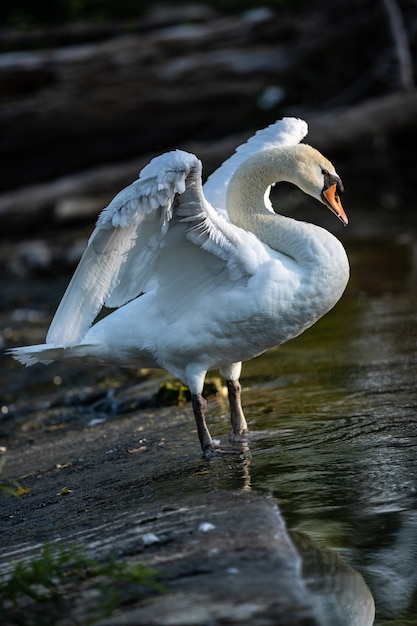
(200, 289)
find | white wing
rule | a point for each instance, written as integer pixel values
(165, 206)
(285, 132)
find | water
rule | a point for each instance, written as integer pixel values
(334, 417)
(341, 408)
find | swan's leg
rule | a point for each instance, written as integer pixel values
(194, 378)
(199, 407)
(239, 428)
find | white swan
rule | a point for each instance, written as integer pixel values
(198, 290)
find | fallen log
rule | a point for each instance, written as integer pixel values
(88, 192)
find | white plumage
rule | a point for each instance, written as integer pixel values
(203, 280)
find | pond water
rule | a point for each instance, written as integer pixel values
(334, 417)
(341, 454)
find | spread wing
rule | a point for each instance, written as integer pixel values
(285, 132)
(164, 207)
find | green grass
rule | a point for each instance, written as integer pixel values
(65, 586)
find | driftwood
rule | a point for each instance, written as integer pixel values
(339, 130)
(84, 195)
(78, 121)
(401, 44)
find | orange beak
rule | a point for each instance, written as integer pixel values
(332, 201)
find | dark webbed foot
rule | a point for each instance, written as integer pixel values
(213, 453)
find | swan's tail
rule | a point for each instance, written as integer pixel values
(45, 353)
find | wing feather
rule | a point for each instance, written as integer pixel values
(94, 277)
(129, 232)
(164, 207)
(121, 258)
(285, 132)
(207, 229)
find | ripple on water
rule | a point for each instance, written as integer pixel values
(334, 420)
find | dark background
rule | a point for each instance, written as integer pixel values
(108, 84)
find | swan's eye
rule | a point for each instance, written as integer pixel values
(331, 179)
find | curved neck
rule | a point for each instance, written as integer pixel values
(319, 259)
(246, 201)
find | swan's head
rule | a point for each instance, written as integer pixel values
(299, 164)
(316, 176)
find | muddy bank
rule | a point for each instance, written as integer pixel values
(332, 416)
(135, 488)
(101, 462)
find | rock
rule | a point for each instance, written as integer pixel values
(223, 555)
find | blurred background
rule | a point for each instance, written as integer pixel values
(91, 89)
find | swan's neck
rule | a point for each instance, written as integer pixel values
(319, 270)
(246, 205)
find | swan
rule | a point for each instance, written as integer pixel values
(203, 279)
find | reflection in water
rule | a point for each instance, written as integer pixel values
(392, 564)
(340, 453)
(340, 593)
(335, 439)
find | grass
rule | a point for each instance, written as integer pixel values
(9, 487)
(65, 587)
